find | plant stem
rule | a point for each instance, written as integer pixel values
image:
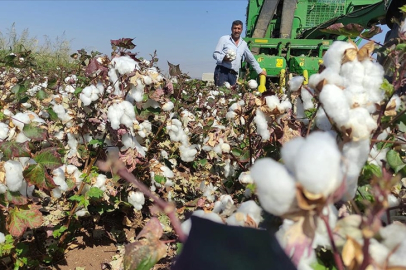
(336, 254)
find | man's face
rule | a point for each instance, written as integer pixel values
(236, 31)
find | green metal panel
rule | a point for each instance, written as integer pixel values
(298, 64)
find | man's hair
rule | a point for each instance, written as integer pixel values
(237, 22)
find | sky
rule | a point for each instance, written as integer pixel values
(182, 32)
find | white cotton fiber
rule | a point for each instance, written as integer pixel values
(100, 182)
(224, 202)
(130, 141)
(252, 209)
(114, 79)
(307, 98)
(335, 104)
(353, 72)
(262, 125)
(124, 64)
(272, 102)
(137, 199)
(14, 175)
(187, 153)
(168, 106)
(295, 83)
(289, 152)
(317, 164)
(136, 92)
(20, 119)
(252, 84)
(360, 123)
(275, 186)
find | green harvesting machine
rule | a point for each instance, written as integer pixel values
(290, 37)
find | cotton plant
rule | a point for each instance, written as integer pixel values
(136, 199)
(91, 93)
(160, 175)
(177, 134)
(121, 113)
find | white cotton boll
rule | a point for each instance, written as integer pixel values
(295, 83)
(231, 115)
(26, 190)
(252, 84)
(237, 219)
(147, 80)
(395, 98)
(167, 172)
(322, 121)
(82, 213)
(321, 237)
(272, 102)
(234, 107)
(285, 106)
(224, 202)
(136, 92)
(14, 175)
(21, 138)
(231, 54)
(101, 182)
(252, 209)
(208, 191)
(332, 58)
(137, 199)
(361, 124)
(262, 125)
(355, 154)
(124, 64)
(378, 252)
(20, 119)
(114, 114)
(275, 186)
(335, 104)
(73, 144)
(227, 85)
(317, 164)
(245, 178)
(86, 101)
(59, 179)
(300, 112)
(307, 98)
(2, 238)
(168, 106)
(4, 128)
(394, 236)
(353, 72)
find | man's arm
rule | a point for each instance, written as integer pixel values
(218, 54)
(253, 62)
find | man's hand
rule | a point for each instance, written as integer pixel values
(226, 59)
(263, 72)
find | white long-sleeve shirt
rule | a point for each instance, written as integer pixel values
(225, 43)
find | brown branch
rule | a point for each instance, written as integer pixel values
(336, 254)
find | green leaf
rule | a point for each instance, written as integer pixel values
(34, 132)
(368, 171)
(41, 95)
(58, 231)
(49, 158)
(387, 87)
(12, 149)
(373, 31)
(37, 175)
(52, 115)
(95, 193)
(80, 199)
(395, 161)
(78, 90)
(159, 179)
(403, 9)
(96, 142)
(21, 218)
(237, 152)
(402, 127)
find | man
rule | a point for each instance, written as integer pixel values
(227, 68)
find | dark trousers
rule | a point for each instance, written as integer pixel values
(222, 75)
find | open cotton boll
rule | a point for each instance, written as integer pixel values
(187, 153)
(356, 96)
(245, 178)
(252, 209)
(295, 83)
(284, 106)
(262, 125)
(3, 188)
(101, 182)
(137, 199)
(231, 54)
(272, 102)
(394, 239)
(124, 64)
(300, 112)
(276, 188)
(322, 121)
(167, 172)
(145, 129)
(26, 190)
(335, 104)
(208, 191)
(317, 164)
(4, 128)
(114, 114)
(14, 175)
(168, 106)
(376, 156)
(355, 154)
(373, 76)
(307, 98)
(289, 152)
(224, 202)
(252, 84)
(136, 92)
(73, 144)
(332, 58)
